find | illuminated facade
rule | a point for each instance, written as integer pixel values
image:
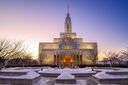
(68, 50)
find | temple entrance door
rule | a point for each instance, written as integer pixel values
(67, 60)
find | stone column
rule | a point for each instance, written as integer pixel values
(59, 60)
(63, 59)
(75, 60)
(79, 59)
(72, 60)
(56, 59)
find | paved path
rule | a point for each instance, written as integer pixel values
(51, 81)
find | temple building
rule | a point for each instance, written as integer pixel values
(68, 50)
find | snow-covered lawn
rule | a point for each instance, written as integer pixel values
(68, 70)
(32, 72)
(111, 76)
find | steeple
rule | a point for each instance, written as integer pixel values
(68, 8)
(68, 24)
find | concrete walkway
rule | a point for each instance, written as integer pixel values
(51, 81)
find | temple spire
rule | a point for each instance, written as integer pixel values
(68, 24)
(68, 8)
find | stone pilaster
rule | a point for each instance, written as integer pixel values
(72, 60)
(79, 59)
(56, 58)
(59, 60)
(75, 60)
(63, 59)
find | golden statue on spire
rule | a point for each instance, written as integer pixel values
(68, 24)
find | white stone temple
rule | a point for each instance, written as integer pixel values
(68, 50)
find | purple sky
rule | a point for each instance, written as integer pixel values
(34, 21)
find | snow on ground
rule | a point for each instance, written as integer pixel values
(119, 73)
(78, 82)
(31, 72)
(43, 81)
(68, 70)
(51, 81)
(65, 75)
(29, 75)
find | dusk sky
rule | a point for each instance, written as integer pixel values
(34, 21)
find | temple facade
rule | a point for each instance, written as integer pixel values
(68, 50)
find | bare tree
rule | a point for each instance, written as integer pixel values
(34, 62)
(114, 58)
(1, 62)
(92, 55)
(119, 58)
(10, 50)
(41, 58)
(105, 60)
(125, 53)
(110, 56)
(25, 59)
